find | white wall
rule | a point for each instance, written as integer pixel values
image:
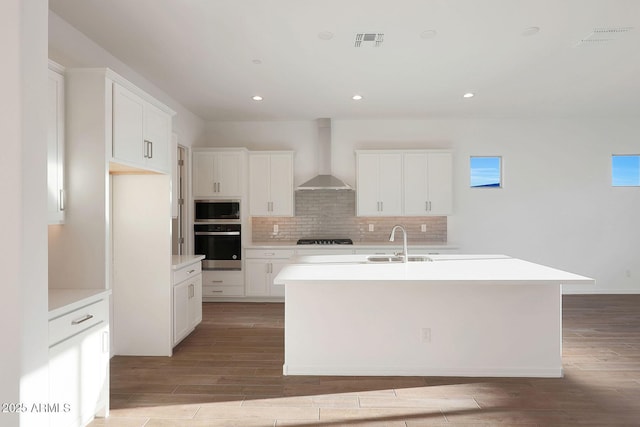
(71, 48)
(23, 256)
(557, 206)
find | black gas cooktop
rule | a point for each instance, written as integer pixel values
(325, 242)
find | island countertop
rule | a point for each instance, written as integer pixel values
(444, 268)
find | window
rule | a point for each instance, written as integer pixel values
(625, 170)
(486, 171)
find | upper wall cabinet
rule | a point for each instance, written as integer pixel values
(218, 172)
(141, 132)
(379, 181)
(404, 183)
(271, 183)
(55, 145)
(427, 183)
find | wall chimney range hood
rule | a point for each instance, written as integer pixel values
(324, 180)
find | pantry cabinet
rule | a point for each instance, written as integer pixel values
(427, 183)
(141, 132)
(271, 183)
(218, 173)
(55, 145)
(379, 183)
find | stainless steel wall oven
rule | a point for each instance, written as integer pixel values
(218, 234)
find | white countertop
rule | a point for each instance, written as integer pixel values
(444, 268)
(64, 300)
(293, 245)
(181, 261)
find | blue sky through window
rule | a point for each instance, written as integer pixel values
(485, 172)
(625, 171)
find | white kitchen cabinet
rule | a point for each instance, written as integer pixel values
(261, 267)
(187, 304)
(218, 284)
(141, 132)
(79, 362)
(187, 296)
(271, 183)
(379, 183)
(427, 183)
(218, 173)
(55, 145)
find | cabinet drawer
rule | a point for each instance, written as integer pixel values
(269, 253)
(76, 321)
(187, 272)
(223, 278)
(222, 291)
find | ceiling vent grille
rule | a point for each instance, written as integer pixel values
(602, 36)
(369, 39)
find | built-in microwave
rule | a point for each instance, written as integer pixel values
(211, 211)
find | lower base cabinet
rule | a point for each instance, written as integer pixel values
(261, 267)
(79, 365)
(187, 301)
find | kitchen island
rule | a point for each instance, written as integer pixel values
(454, 316)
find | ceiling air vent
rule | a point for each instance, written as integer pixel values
(602, 36)
(369, 39)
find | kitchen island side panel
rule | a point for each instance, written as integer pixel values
(429, 328)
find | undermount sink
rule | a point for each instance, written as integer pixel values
(397, 258)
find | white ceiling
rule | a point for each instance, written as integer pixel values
(202, 53)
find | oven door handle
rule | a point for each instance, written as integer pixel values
(217, 233)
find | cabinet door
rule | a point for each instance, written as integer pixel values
(128, 126)
(256, 280)
(281, 184)
(440, 183)
(203, 179)
(195, 301)
(157, 137)
(368, 189)
(259, 177)
(181, 310)
(390, 183)
(227, 173)
(55, 148)
(276, 266)
(416, 201)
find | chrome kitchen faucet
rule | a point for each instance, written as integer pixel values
(405, 253)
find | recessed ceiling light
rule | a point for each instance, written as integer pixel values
(256, 98)
(468, 95)
(257, 61)
(530, 31)
(325, 35)
(428, 34)
(356, 97)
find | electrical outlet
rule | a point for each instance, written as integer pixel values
(275, 228)
(425, 335)
(423, 228)
(371, 227)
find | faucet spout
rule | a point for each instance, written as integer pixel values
(405, 253)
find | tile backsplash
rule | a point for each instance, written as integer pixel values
(332, 214)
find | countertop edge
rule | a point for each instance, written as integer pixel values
(181, 261)
(289, 245)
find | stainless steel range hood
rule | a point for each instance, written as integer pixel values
(324, 180)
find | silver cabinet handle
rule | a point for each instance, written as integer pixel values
(426, 206)
(150, 149)
(82, 319)
(217, 281)
(216, 292)
(190, 271)
(381, 206)
(61, 200)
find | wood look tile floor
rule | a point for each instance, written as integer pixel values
(229, 373)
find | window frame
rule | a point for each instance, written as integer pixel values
(613, 169)
(500, 171)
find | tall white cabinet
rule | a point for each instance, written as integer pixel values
(271, 183)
